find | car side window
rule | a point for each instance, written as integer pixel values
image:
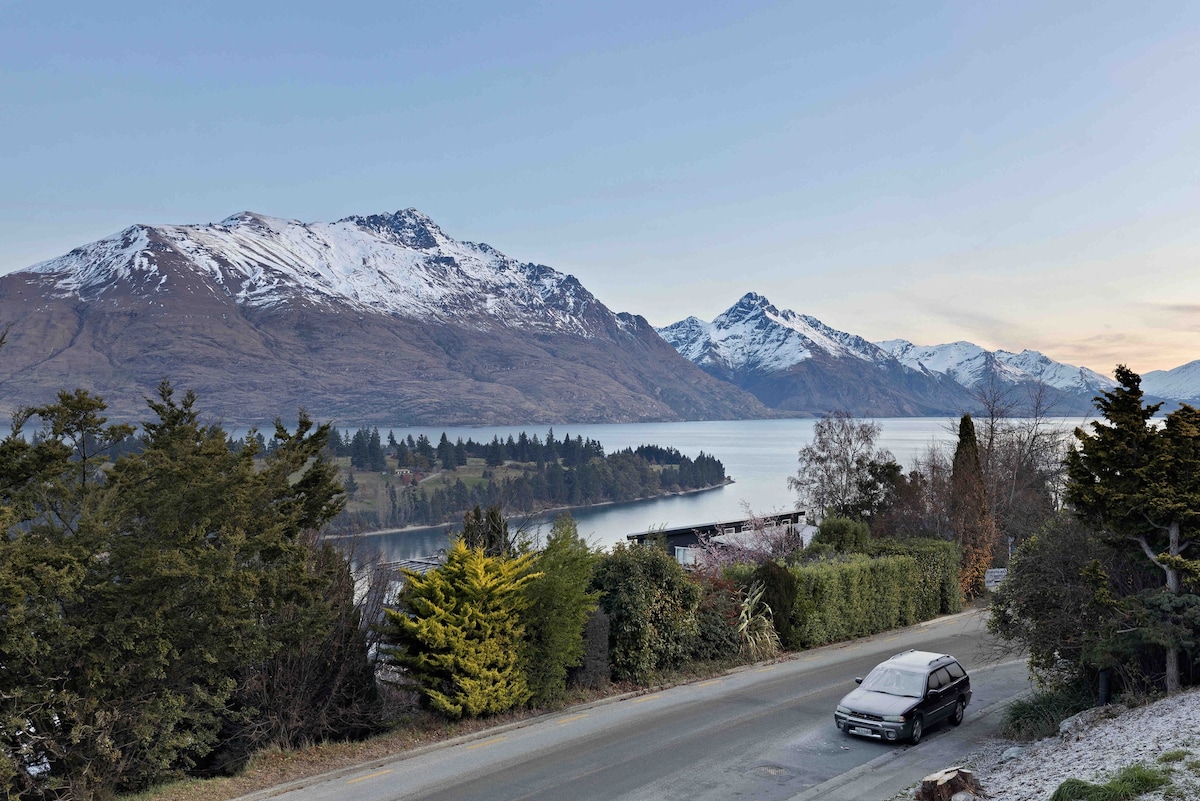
(936, 679)
(956, 670)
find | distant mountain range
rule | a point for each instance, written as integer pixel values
(384, 319)
(795, 362)
(380, 319)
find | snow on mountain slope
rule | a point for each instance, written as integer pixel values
(970, 365)
(964, 362)
(755, 335)
(1181, 383)
(1056, 374)
(400, 264)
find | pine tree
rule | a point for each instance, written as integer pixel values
(1139, 484)
(488, 531)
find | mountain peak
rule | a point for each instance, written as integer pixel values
(408, 227)
(399, 263)
(749, 303)
(753, 334)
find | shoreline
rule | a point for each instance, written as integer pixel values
(539, 513)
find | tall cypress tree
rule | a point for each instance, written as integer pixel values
(971, 517)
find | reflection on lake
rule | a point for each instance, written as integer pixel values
(758, 454)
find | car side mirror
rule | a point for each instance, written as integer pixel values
(858, 679)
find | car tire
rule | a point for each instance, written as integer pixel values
(956, 717)
(918, 729)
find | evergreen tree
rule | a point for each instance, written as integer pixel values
(375, 454)
(970, 514)
(495, 453)
(424, 449)
(445, 453)
(173, 581)
(488, 531)
(459, 632)
(559, 603)
(54, 724)
(1140, 486)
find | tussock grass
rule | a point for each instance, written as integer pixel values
(1177, 755)
(1040, 714)
(1129, 783)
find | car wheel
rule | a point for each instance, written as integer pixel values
(917, 730)
(957, 717)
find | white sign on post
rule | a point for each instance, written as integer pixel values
(994, 576)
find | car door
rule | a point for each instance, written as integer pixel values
(940, 697)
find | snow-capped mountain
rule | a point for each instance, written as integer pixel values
(797, 363)
(971, 366)
(1181, 384)
(754, 335)
(381, 318)
(400, 264)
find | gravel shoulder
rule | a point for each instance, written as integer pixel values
(1095, 746)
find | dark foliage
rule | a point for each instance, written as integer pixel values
(779, 593)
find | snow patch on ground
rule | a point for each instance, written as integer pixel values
(1109, 739)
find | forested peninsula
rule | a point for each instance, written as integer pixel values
(411, 481)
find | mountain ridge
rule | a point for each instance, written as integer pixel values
(371, 319)
(792, 361)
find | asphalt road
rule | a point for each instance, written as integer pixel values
(764, 732)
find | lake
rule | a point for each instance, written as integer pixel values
(758, 454)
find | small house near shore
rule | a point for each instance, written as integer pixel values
(685, 542)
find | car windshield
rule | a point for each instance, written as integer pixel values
(895, 682)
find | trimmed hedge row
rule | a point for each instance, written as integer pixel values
(854, 598)
(938, 592)
(896, 583)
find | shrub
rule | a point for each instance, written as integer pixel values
(843, 535)
(651, 604)
(758, 637)
(1040, 714)
(459, 632)
(717, 621)
(779, 589)
(594, 670)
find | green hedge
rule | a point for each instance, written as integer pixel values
(854, 598)
(938, 591)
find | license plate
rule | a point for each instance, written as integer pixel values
(861, 730)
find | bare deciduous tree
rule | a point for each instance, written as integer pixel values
(835, 471)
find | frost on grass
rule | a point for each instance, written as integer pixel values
(1160, 737)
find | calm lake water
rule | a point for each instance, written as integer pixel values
(758, 454)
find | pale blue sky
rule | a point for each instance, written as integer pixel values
(1018, 174)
